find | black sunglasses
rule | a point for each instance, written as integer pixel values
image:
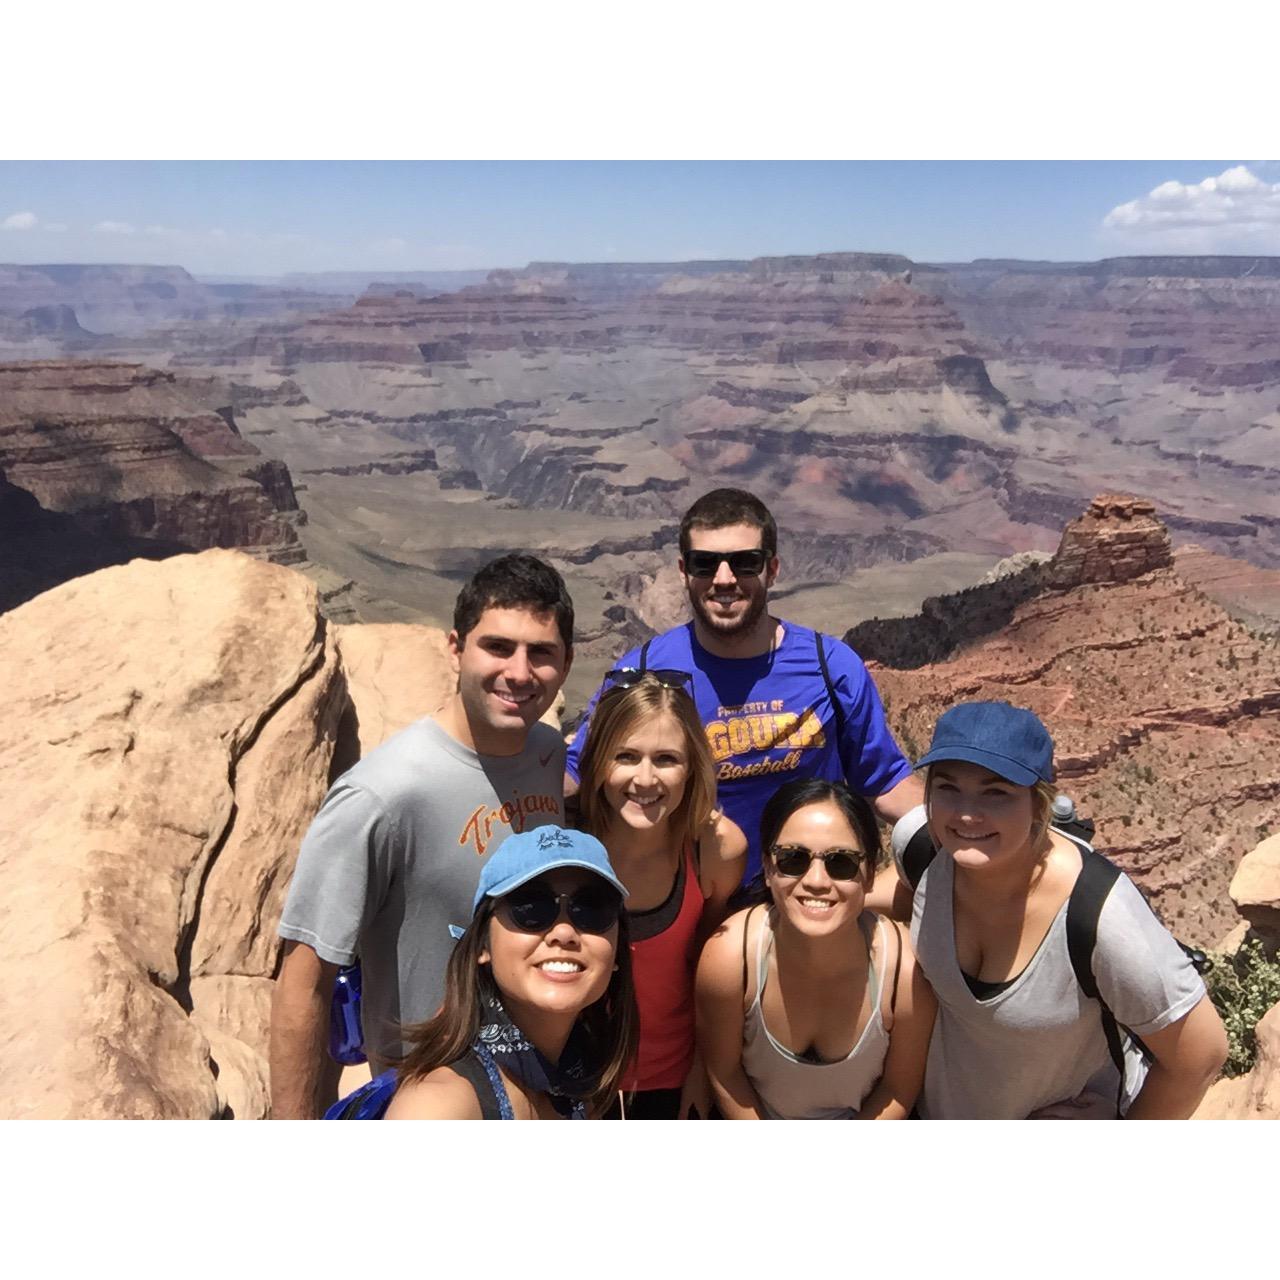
(533, 908)
(629, 677)
(793, 860)
(742, 564)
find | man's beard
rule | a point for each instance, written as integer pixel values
(728, 626)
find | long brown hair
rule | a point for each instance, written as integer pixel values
(612, 1023)
(616, 715)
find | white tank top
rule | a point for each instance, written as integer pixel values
(793, 1088)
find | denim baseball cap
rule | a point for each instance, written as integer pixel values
(521, 857)
(1009, 741)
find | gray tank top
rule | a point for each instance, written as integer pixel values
(793, 1088)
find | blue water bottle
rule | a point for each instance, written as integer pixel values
(346, 1039)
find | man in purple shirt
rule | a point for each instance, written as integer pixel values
(778, 700)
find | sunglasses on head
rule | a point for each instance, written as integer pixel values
(742, 564)
(629, 677)
(534, 908)
(793, 860)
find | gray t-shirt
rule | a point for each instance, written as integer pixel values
(393, 859)
(1040, 1041)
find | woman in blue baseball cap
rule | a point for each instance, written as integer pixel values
(539, 1016)
(1059, 992)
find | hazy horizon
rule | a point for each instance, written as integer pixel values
(267, 219)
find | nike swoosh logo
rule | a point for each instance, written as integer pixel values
(543, 760)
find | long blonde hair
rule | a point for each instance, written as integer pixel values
(616, 715)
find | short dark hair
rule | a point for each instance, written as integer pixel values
(791, 797)
(723, 507)
(514, 582)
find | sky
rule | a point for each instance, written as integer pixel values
(265, 218)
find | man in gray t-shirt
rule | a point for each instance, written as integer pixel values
(394, 855)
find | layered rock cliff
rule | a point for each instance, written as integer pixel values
(1164, 709)
(131, 453)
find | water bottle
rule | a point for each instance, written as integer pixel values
(346, 1039)
(1064, 815)
(1064, 809)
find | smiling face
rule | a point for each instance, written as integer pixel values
(645, 778)
(727, 605)
(559, 971)
(980, 818)
(812, 902)
(509, 669)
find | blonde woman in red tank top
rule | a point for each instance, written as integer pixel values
(648, 794)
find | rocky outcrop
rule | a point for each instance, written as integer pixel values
(1255, 890)
(162, 787)
(1256, 1095)
(396, 674)
(1116, 539)
(1163, 708)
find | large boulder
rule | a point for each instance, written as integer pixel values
(1255, 890)
(396, 672)
(168, 736)
(1256, 1095)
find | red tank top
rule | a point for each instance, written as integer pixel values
(664, 968)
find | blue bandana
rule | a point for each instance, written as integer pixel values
(567, 1082)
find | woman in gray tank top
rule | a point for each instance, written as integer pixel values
(1016, 1034)
(809, 1007)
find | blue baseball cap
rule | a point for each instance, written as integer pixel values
(1009, 741)
(521, 857)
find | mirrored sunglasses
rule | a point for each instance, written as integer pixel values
(533, 908)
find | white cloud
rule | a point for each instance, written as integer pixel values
(19, 221)
(1232, 212)
(116, 228)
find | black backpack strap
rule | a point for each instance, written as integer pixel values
(644, 656)
(471, 1069)
(1084, 907)
(917, 856)
(897, 932)
(836, 707)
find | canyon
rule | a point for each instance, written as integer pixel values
(234, 518)
(910, 424)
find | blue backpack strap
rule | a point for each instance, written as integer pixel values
(1084, 907)
(836, 708)
(495, 1082)
(369, 1102)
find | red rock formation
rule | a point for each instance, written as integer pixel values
(1116, 539)
(1163, 708)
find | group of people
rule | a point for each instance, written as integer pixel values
(688, 915)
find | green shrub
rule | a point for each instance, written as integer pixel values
(1243, 988)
